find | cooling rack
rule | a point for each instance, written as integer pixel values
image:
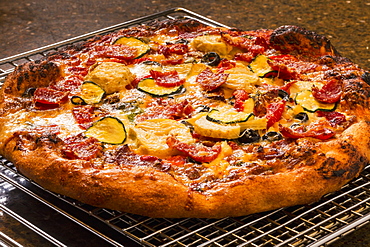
(316, 224)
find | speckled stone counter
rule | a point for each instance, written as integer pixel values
(26, 25)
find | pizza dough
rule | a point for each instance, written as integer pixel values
(179, 119)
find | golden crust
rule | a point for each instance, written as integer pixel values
(149, 191)
(145, 190)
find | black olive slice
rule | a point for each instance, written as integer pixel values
(211, 59)
(202, 108)
(182, 41)
(187, 124)
(77, 100)
(272, 136)
(151, 63)
(294, 126)
(29, 92)
(283, 94)
(249, 136)
(302, 116)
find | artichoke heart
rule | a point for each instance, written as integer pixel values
(211, 43)
(111, 77)
(152, 136)
(241, 77)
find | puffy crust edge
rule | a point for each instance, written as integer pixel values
(147, 191)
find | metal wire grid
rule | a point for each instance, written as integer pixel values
(311, 225)
(8, 64)
(295, 226)
(316, 224)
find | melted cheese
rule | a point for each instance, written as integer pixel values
(24, 120)
(152, 136)
(241, 77)
(211, 43)
(219, 166)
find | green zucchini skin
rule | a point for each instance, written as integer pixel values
(148, 86)
(260, 66)
(215, 116)
(109, 130)
(310, 104)
(92, 93)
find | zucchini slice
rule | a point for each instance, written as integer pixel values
(254, 123)
(141, 47)
(109, 130)
(260, 66)
(310, 104)
(91, 93)
(77, 100)
(211, 129)
(227, 117)
(149, 86)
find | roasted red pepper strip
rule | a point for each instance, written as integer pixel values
(286, 87)
(210, 81)
(255, 45)
(285, 65)
(172, 61)
(78, 71)
(78, 147)
(197, 152)
(83, 115)
(166, 79)
(329, 93)
(69, 84)
(176, 160)
(316, 132)
(50, 96)
(114, 51)
(334, 118)
(169, 49)
(225, 65)
(240, 96)
(274, 112)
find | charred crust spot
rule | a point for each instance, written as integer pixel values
(332, 168)
(61, 54)
(33, 74)
(331, 60)
(366, 77)
(351, 149)
(31, 141)
(189, 206)
(356, 93)
(327, 60)
(328, 167)
(296, 39)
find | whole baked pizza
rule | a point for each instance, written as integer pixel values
(179, 119)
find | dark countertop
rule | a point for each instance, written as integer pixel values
(26, 25)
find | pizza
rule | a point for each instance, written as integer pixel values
(177, 119)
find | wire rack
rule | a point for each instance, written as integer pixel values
(316, 224)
